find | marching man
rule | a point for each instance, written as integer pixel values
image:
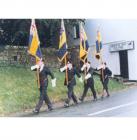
(70, 82)
(105, 72)
(88, 82)
(43, 78)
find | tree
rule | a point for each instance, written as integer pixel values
(16, 31)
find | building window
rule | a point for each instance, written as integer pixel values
(76, 31)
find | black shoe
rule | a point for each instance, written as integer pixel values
(102, 97)
(35, 111)
(66, 105)
(108, 95)
(81, 99)
(50, 109)
(76, 103)
(95, 99)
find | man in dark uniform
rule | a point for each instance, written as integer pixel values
(105, 72)
(88, 82)
(70, 82)
(43, 78)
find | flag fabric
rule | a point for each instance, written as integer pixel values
(62, 52)
(98, 42)
(34, 43)
(83, 44)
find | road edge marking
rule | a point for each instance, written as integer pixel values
(112, 108)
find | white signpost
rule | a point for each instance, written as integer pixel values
(127, 45)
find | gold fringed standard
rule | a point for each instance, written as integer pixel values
(99, 57)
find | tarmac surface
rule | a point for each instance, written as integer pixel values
(119, 104)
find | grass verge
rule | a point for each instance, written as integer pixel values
(18, 89)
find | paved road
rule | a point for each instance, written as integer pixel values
(120, 104)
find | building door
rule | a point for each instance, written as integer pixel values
(123, 56)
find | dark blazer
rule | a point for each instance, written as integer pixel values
(71, 77)
(106, 73)
(90, 80)
(43, 76)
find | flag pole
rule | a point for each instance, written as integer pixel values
(85, 71)
(66, 74)
(85, 60)
(102, 68)
(101, 61)
(37, 74)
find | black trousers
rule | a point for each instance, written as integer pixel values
(43, 97)
(86, 87)
(105, 84)
(71, 94)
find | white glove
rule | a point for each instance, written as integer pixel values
(83, 67)
(41, 67)
(81, 80)
(53, 82)
(69, 66)
(87, 76)
(34, 67)
(99, 67)
(62, 69)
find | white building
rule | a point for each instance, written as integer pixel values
(119, 38)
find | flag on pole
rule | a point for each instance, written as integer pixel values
(34, 43)
(98, 45)
(62, 52)
(83, 44)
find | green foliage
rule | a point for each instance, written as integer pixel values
(16, 31)
(18, 89)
